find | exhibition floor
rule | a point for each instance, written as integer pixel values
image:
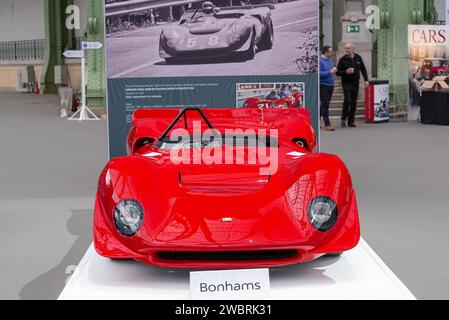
(401, 175)
(49, 171)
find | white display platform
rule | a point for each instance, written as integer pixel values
(359, 274)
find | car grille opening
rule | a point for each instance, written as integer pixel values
(228, 255)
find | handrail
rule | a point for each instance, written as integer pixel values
(21, 50)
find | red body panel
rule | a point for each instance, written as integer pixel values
(185, 205)
(369, 103)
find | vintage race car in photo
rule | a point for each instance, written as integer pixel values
(217, 32)
(294, 101)
(433, 67)
(209, 216)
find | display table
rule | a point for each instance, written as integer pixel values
(435, 108)
(358, 274)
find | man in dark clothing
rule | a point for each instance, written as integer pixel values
(349, 68)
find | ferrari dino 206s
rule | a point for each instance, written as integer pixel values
(193, 214)
(216, 32)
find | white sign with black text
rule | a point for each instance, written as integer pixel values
(89, 45)
(230, 285)
(74, 54)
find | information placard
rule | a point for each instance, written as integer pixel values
(230, 285)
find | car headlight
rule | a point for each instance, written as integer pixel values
(128, 217)
(171, 34)
(323, 213)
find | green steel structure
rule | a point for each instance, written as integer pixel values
(392, 43)
(58, 39)
(95, 30)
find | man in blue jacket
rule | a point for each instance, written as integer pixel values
(327, 81)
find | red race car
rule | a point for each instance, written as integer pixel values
(433, 67)
(198, 215)
(293, 101)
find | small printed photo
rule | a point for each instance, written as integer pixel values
(270, 95)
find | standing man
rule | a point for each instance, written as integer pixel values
(349, 68)
(327, 81)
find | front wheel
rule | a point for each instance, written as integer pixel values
(250, 54)
(267, 41)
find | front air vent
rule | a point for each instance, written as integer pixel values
(228, 255)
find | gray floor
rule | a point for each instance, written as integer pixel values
(49, 168)
(48, 173)
(401, 172)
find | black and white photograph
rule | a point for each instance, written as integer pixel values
(209, 38)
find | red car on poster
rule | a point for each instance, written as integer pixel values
(293, 101)
(202, 216)
(433, 67)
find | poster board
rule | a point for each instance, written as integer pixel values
(162, 54)
(428, 63)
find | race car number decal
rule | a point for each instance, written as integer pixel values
(213, 41)
(193, 42)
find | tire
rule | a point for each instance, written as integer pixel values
(267, 41)
(334, 255)
(250, 54)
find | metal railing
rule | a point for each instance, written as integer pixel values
(26, 50)
(22, 50)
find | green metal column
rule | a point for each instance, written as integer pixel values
(56, 39)
(96, 71)
(321, 24)
(393, 41)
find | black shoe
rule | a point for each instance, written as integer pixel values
(343, 123)
(352, 125)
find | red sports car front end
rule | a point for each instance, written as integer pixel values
(226, 216)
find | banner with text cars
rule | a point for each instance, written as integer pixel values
(176, 54)
(428, 59)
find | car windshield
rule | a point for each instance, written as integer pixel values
(198, 142)
(441, 63)
(210, 141)
(199, 16)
